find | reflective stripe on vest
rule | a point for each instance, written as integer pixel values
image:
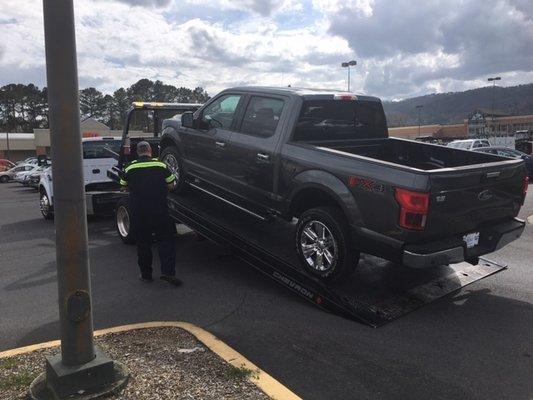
(146, 164)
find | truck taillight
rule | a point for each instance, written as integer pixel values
(414, 207)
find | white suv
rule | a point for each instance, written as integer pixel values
(101, 192)
(469, 144)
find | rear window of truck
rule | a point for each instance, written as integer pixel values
(99, 148)
(340, 120)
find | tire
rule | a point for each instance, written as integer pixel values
(4, 179)
(172, 158)
(47, 210)
(123, 221)
(330, 223)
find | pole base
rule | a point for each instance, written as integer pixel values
(97, 378)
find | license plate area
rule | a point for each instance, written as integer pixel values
(471, 239)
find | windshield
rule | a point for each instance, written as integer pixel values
(340, 120)
(99, 148)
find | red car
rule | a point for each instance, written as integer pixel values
(5, 165)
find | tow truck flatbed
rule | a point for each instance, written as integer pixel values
(377, 292)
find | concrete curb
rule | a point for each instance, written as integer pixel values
(264, 381)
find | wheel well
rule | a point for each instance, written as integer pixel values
(312, 198)
(166, 142)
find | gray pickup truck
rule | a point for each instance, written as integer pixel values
(324, 160)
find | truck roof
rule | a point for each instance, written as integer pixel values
(306, 93)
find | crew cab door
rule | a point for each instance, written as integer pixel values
(251, 150)
(98, 159)
(205, 146)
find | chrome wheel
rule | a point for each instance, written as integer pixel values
(173, 165)
(318, 246)
(123, 221)
(45, 205)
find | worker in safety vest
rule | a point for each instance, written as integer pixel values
(148, 181)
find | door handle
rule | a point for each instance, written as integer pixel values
(221, 144)
(263, 157)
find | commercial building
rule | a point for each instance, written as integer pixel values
(443, 132)
(483, 122)
(480, 123)
(24, 145)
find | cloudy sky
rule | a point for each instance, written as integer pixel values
(403, 48)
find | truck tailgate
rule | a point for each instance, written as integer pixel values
(465, 199)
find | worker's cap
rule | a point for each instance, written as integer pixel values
(143, 147)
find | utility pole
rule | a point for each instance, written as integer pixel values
(493, 80)
(80, 368)
(419, 107)
(347, 65)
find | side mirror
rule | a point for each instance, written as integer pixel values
(187, 119)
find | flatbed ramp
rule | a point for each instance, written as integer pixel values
(378, 291)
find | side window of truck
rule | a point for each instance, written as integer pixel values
(262, 116)
(220, 113)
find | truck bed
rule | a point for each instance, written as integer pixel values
(412, 154)
(469, 190)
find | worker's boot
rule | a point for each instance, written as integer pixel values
(171, 279)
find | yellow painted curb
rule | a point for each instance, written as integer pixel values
(264, 381)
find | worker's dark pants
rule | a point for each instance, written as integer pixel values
(145, 227)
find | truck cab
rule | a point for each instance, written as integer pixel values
(101, 193)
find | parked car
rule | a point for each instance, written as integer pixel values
(9, 175)
(469, 144)
(5, 165)
(510, 153)
(101, 193)
(22, 177)
(325, 158)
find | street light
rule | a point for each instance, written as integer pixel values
(80, 369)
(347, 65)
(419, 107)
(493, 80)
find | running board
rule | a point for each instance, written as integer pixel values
(377, 293)
(260, 217)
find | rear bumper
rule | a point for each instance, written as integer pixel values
(102, 203)
(454, 250)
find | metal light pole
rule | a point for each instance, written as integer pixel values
(7, 144)
(419, 107)
(493, 80)
(347, 65)
(80, 367)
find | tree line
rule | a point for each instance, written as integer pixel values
(25, 107)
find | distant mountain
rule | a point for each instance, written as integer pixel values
(449, 108)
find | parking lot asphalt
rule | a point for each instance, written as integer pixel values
(474, 344)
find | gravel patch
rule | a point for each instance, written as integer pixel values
(165, 363)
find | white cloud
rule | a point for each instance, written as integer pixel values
(401, 50)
